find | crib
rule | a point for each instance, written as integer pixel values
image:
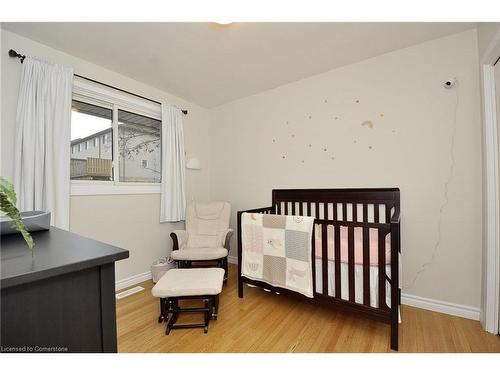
(355, 249)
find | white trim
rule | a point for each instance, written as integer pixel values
(492, 198)
(463, 311)
(129, 292)
(110, 188)
(491, 264)
(232, 259)
(133, 280)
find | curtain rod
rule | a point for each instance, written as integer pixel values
(13, 53)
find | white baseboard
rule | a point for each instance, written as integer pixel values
(232, 259)
(463, 311)
(129, 292)
(133, 280)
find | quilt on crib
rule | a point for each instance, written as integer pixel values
(277, 249)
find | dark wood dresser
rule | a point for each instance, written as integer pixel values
(60, 300)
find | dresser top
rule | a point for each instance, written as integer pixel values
(56, 252)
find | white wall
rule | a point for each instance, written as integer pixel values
(262, 142)
(485, 34)
(130, 221)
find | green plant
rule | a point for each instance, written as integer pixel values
(8, 205)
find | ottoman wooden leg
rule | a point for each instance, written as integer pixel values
(174, 308)
(207, 314)
(215, 306)
(163, 308)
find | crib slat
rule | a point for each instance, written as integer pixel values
(334, 204)
(293, 208)
(376, 208)
(308, 208)
(301, 208)
(388, 213)
(316, 210)
(365, 213)
(366, 266)
(325, 210)
(337, 261)
(286, 208)
(355, 212)
(344, 211)
(324, 258)
(381, 269)
(350, 255)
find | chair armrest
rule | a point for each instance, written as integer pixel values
(179, 238)
(227, 239)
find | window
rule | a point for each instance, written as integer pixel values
(120, 135)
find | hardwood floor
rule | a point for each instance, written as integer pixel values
(263, 322)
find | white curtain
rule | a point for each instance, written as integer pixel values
(42, 144)
(173, 184)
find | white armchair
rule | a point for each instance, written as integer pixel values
(207, 235)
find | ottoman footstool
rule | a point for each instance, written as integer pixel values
(189, 283)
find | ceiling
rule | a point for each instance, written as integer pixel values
(211, 64)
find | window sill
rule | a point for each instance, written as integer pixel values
(109, 188)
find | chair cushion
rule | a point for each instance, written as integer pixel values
(207, 223)
(199, 253)
(180, 282)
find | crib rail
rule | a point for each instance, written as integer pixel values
(262, 210)
(365, 211)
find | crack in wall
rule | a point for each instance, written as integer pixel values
(445, 202)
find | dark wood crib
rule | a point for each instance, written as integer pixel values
(345, 209)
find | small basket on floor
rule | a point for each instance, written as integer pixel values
(160, 268)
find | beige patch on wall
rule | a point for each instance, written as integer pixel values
(367, 124)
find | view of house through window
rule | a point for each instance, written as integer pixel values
(91, 154)
(138, 148)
